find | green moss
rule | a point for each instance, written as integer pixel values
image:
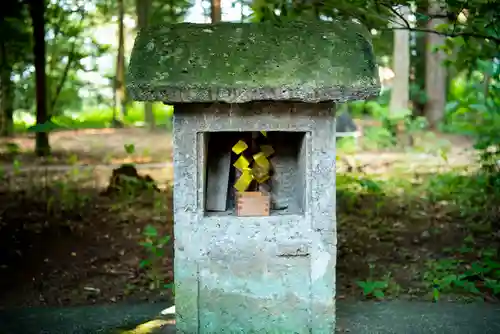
(236, 62)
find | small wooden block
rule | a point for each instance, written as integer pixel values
(252, 203)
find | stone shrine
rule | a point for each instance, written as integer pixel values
(233, 83)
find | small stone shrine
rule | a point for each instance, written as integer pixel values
(254, 165)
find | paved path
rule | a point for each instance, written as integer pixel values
(395, 317)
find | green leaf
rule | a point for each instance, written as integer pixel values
(150, 231)
(435, 294)
(442, 27)
(380, 284)
(452, 106)
(48, 126)
(378, 294)
(144, 263)
(489, 253)
(479, 107)
(129, 148)
(370, 185)
(366, 286)
(165, 240)
(146, 244)
(469, 239)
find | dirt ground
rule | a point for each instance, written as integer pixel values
(64, 243)
(92, 146)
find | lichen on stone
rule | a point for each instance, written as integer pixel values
(241, 62)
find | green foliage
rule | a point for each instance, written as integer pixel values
(417, 94)
(475, 110)
(472, 269)
(474, 190)
(68, 199)
(162, 11)
(477, 38)
(373, 288)
(480, 277)
(95, 118)
(469, 269)
(46, 127)
(346, 145)
(13, 149)
(385, 136)
(16, 34)
(70, 44)
(129, 148)
(376, 289)
(155, 246)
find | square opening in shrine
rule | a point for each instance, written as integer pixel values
(285, 182)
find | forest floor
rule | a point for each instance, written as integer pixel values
(91, 147)
(401, 213)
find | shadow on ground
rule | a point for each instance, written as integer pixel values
(62, 245)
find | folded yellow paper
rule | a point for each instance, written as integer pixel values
(259, 171)
(239, 147)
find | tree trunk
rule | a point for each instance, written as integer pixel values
(400, 92)
(37, 12)
(215, 11)
(120, 62)
(143, 9)
(435, 74)
(6, 94)
(418, 61)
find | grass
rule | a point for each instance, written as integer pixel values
(98, 118)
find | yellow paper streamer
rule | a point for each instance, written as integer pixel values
(260, 170)
(262, 179)
(244, 181)
(261, 160)
(267, 150)
(241, 163)
(239, 147)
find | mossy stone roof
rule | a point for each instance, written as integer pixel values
(241, 62)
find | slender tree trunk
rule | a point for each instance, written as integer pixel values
(120, 62)
(6, 94)
(215, 11)
(37, 12)
(418, 61)
(242, 13)
(435, 74)
(143, 9)
(400, 93)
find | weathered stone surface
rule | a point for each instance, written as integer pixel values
(271, 274)
(241, 62)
